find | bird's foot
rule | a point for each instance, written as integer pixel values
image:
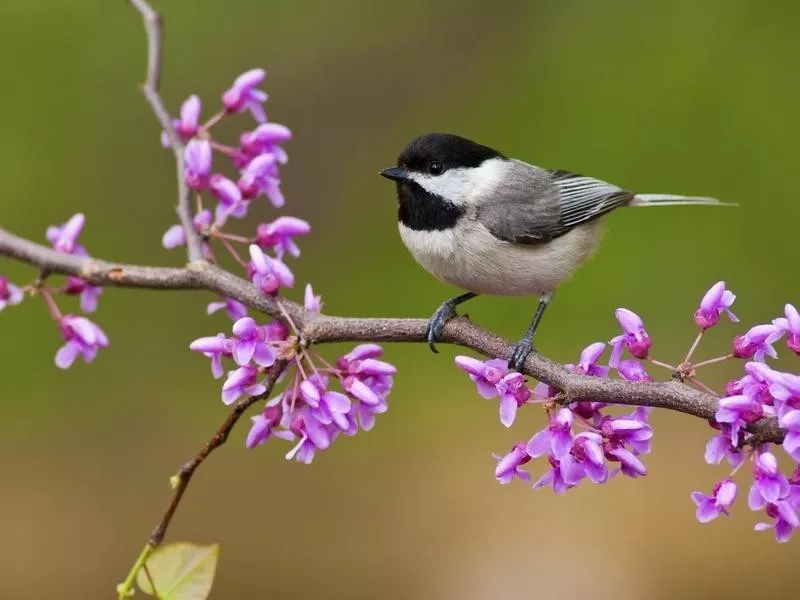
(519, 352)
(437, 322)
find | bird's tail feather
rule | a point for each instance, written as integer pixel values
(674, 200)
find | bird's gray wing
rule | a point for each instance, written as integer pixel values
(535, 205)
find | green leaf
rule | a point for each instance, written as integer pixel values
(179, 571)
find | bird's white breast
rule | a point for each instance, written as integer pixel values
(470, 257)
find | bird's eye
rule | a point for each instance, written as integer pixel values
(435, 168)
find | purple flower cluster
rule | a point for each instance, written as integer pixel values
(582, 440)
(82, 337)
(309, 411)
(257, 159)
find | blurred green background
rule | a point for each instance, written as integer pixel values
(682, 97)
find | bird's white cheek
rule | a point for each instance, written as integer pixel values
(463, 185)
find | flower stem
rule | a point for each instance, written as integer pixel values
(694, 346)
(234, 238)
(712, 361)
(658, 363)
(125, 589)
(702, 385)
(229, 247)
(288, 318)
(228, 150)
(52, 307)
(213, 120)
(199, 199)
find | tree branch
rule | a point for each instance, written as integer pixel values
(153, 27)
(319, 328)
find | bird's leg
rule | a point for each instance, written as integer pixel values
(520, 350)
(444, 313)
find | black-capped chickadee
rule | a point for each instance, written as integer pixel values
(490, 224)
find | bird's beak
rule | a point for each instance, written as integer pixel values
(395, 173)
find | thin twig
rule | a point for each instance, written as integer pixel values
(154, 29)
(181, 480)
(320, 328)
(184, 475)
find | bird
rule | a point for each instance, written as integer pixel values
(494, 225)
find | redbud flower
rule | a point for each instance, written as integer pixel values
(279, 234)
(275, 331)
(718, 503)
(249, 344)
(84, 338)
(719, 447)
(633, 370)
(630, 464)
(790, 421)
(513, 393)
(175, 236)
(791, 326)
(556, 438)
(486, 375)
(769, 484)
(263, 427)
(756, 383)
(311, 302)
(244, 95)
(313, 436)
(632, 430)
(368, 380)
(366, 413)
(89, 294)
(361, 391)
(214, 348)
(243, 380)
(584, 459)
(230, 199)
(186, 127)
(326, 406)
(64, 238)
(9, 293)
(268, 274)
(266, 139)
(785, 391)
(235, 309)
(635, 337)
(553, 477)
(260, 176)
(738, 412)
(197, 161)
(510, 465)
(360, 352)
(587, 364)
(757, 342)
(715, 300)
(786, 520)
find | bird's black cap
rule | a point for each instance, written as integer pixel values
(449, 150)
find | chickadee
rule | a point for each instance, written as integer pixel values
(490, 224)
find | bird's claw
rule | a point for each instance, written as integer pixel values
(437, 322)
(519, 352)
